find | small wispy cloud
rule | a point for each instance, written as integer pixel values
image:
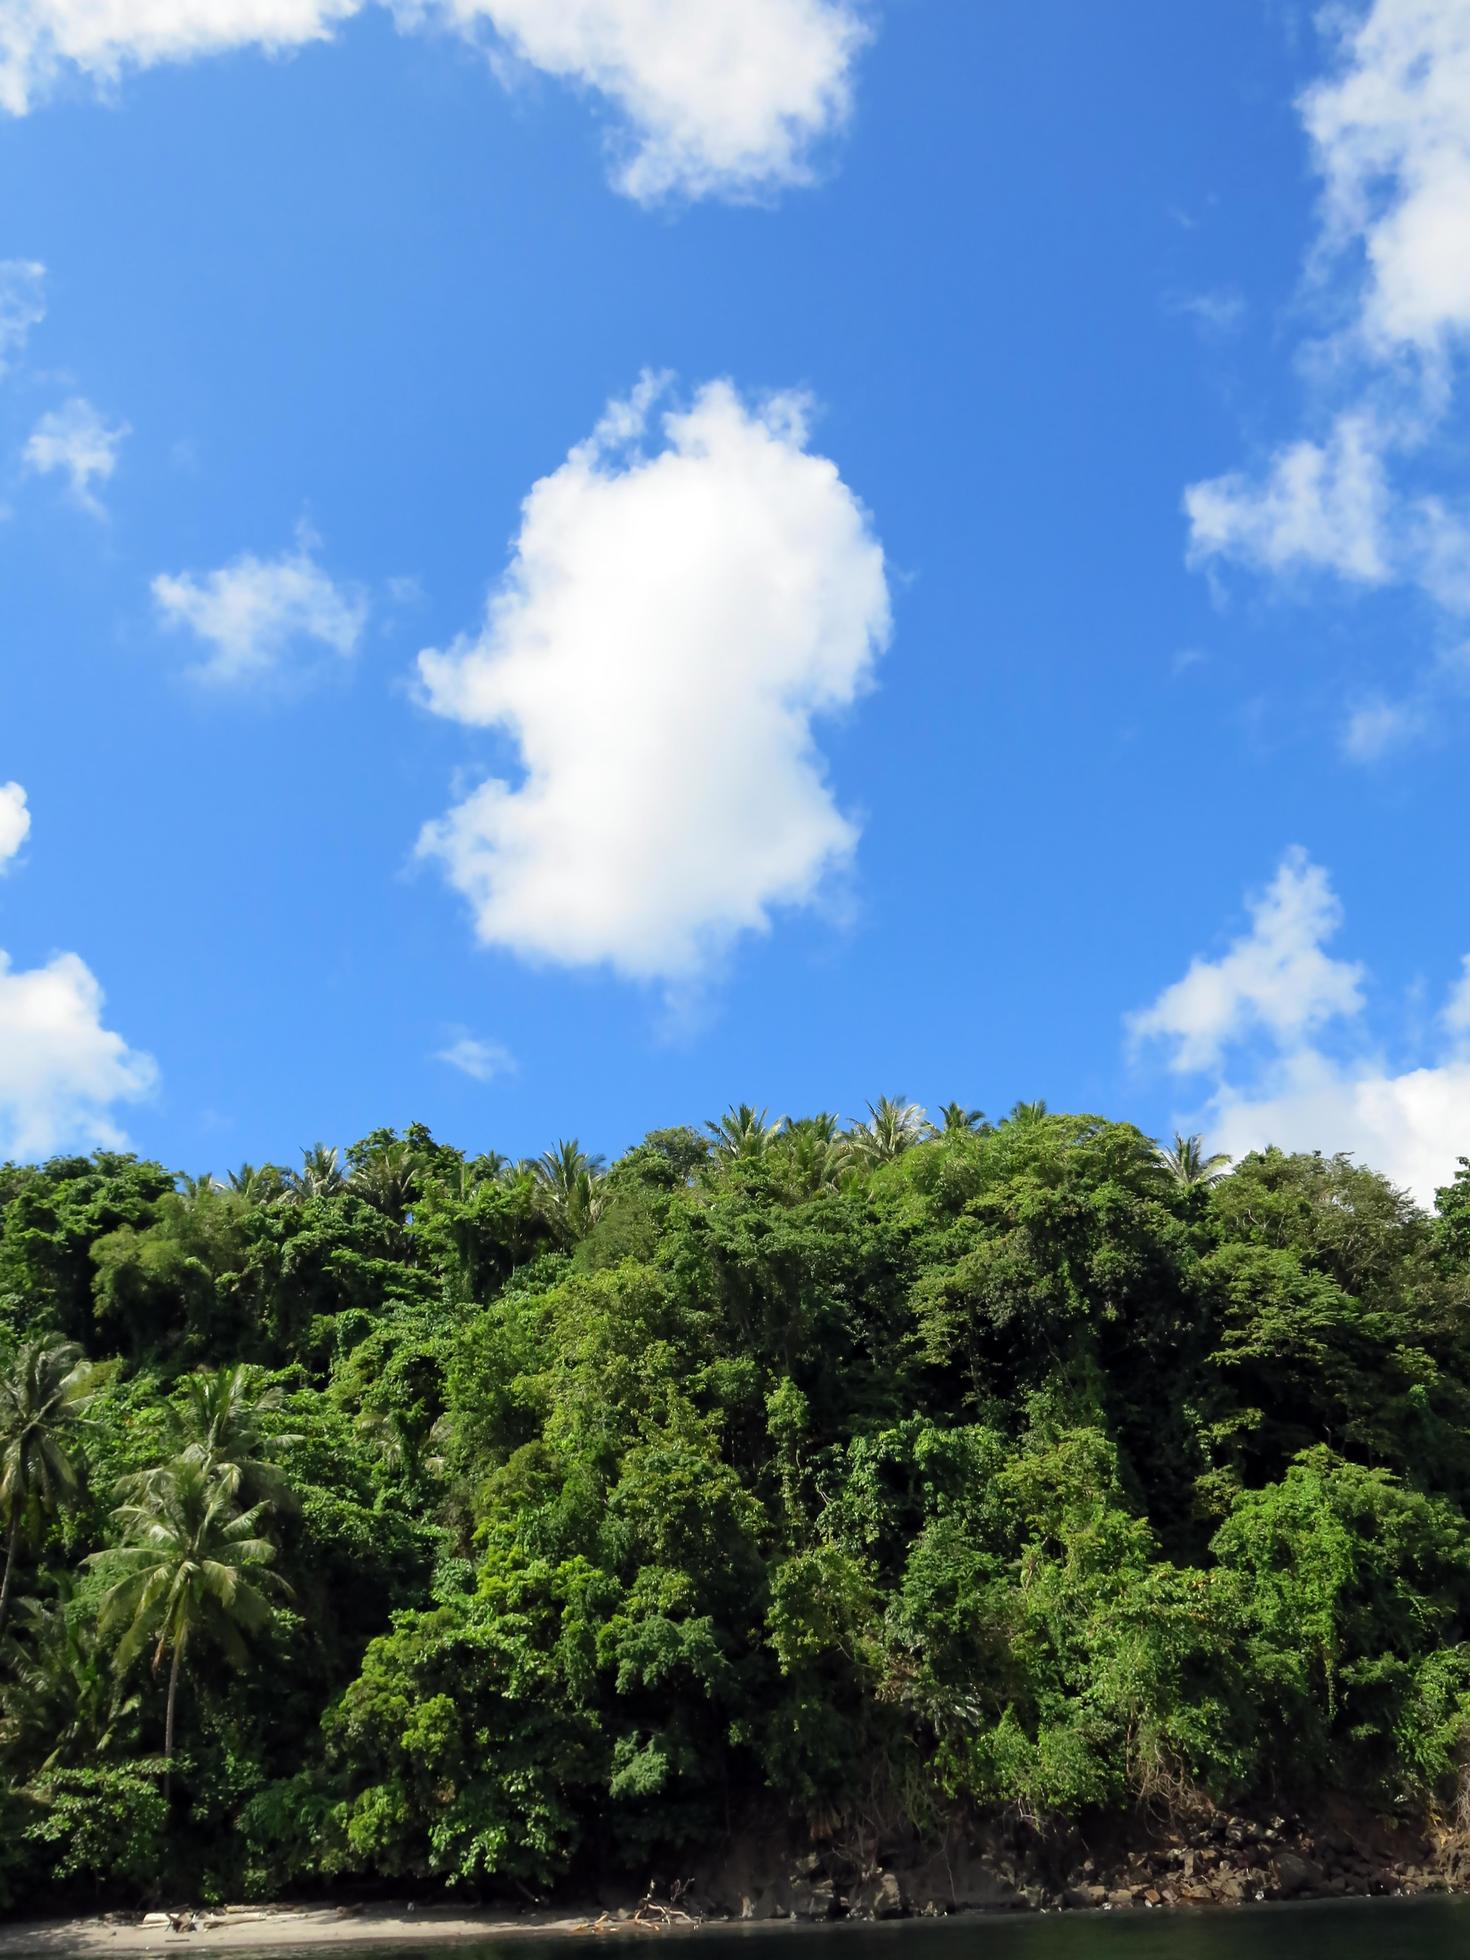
(1216, 313)
(76, 442)
(251, 612)
(477, 1058)
(22, 305)
(1378, 727)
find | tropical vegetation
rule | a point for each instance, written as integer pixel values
(407, 1517)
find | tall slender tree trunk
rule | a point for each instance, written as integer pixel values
(168, 1720)
(12, 1546)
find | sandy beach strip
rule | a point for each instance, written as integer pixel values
(242, 1929)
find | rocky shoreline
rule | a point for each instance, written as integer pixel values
(1216, 1859)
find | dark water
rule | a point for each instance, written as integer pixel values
(1376, 1929)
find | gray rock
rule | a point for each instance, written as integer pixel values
(876, 1897)
(1084, 1898)
(814, 1898)
(757, 1906)
(1296, 1875)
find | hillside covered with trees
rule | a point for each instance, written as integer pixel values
(409, 1519)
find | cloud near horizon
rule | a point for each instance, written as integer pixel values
(710, 101)
(688, 591)
(61, 1070)
(1252, 1025)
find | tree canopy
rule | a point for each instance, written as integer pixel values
(551, 1515)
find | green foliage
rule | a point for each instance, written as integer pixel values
(106, 1827)
(554, 1518)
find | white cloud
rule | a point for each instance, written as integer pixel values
(253, 611)
(713, 99)
(477, 1058)
(1410, 1123)
(77, 442)
(22, 304)
(1377, 728)
(1456, 1015)
(15, 821)
(1389, 126)
(1274, 978)
(40, 40)
(1320, 506)
(1391, 129)
(674, 617)
(61, 1070)
(1217, 313)
(722, 100)
(1411, 1126)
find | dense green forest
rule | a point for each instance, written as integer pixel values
(408, 1518)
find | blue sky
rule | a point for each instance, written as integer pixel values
(1077, 537)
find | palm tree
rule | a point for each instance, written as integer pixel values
(567, 1180)
(203, 1186)
(256, 1185)
(955, 1118)
(463, 1178)
(222, 1422)
(62, 1706)
(320, 1176)
(742, 1133)
(390, 1436)
(190, 1568)
(388, 1181)
(815, 1154)
(1186, 1164)
(44, 1394)
(219, 1430)
(894, 1126)
(1028, 1115)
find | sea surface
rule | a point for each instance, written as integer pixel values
(1358, 1929)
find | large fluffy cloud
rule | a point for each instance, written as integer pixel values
(687, 592)
(250, 613)
(1254, 1025)
(713, 98)
(1389, 125)
(61, 1070)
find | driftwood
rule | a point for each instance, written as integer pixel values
(651, 1915)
